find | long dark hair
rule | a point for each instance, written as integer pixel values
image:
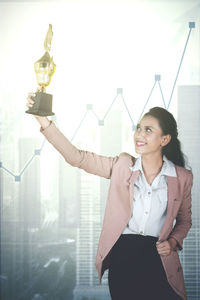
(169, 126)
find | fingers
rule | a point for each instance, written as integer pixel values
(39, 89)
(160, 246)
(163, 248)
(30, 100)
(164, 251)
(164, 245)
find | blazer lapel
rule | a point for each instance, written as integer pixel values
(172, 183)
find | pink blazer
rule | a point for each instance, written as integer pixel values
(120, 200)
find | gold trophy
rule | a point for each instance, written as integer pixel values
(44, 69)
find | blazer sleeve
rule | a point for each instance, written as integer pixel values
(88, 161)
(184, 216)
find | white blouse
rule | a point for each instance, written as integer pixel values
(150, 201)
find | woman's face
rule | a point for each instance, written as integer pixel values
(148, 137)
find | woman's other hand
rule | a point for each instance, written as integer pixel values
(166, 247)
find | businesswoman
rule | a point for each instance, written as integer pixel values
(148, 210)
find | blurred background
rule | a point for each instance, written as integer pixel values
(115, 60)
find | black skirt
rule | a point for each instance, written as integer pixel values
(136, 271)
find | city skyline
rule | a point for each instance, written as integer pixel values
(114, 61)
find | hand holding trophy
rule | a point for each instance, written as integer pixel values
(44, 69)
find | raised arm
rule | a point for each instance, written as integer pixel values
(88, 161)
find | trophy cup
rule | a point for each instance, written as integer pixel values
(44, 69)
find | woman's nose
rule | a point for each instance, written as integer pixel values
(141, 133)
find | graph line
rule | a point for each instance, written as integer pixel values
(127, 110)
(11, 173)
(191, 26)
(147, 101)
(110, 108)
(27, 164)
(79, 126)
(101, 121)
(161, 92)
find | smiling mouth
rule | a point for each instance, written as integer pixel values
(140, 144)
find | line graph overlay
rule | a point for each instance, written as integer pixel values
(157, 80)
(162, 94)
(150, 94)
(191, 26)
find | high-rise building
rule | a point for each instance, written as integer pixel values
(111, 145)
(93, 194)
(29, 193)
(87, 235)
(3, 278)
(69, 195)
(21, 217)
(29, 212)
(189, 134)
(87, 232)
(8, 203)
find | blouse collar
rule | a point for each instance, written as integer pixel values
(168, 167)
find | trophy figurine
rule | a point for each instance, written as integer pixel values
(44, 69)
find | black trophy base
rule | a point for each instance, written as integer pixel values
(42, 105)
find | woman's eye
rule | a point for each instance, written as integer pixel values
(148, 129)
